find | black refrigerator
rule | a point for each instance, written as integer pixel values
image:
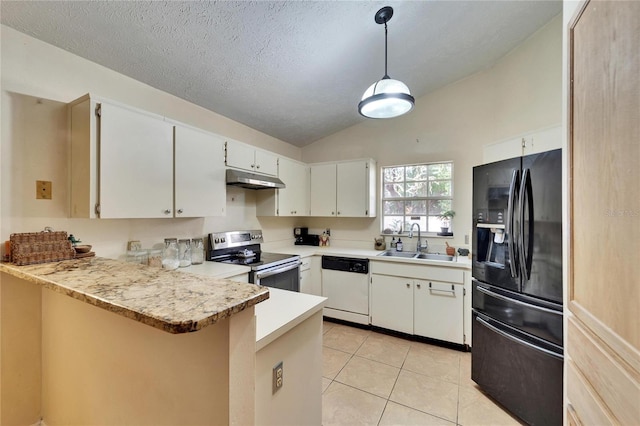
(517, 348)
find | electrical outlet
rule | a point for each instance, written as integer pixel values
(43, 190)
(278, 377)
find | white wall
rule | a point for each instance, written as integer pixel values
(37, 82)
(520, 93)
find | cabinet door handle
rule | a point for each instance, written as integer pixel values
(253, 166)
(408, 285)
(333, 213)
(180, 211)
(418, 286)
(167, 211)
(258, 166)
(453, 289)
(338, 212)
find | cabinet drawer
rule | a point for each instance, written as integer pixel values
(305, 264)
(422, 272)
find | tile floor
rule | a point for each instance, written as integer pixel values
(371, 378)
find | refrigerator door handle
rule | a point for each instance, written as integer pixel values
(517, 302)
(510, 229)
(526, 247)
(517, 340)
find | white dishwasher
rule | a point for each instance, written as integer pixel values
(345, 284)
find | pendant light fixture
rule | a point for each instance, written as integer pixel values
(386, 98)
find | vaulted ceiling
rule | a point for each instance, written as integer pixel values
(295, 70)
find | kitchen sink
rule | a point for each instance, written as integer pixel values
(392, 253)
(414, 255)
(435, 256)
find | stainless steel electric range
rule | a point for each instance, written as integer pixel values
(243, 248)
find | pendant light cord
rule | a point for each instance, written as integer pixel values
(386, 75)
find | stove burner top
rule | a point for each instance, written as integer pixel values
(259, 258)
(240, 248)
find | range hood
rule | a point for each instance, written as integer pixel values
(252, 180)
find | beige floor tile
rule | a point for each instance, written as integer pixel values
(465, 370)
(333, 361)
(387, 349)
(344, 405)
(396, 414)
(344, 338)
(369, 376)
(327, 325)
(436, 362)
(432, 396)
(325, 383)
(476, 408)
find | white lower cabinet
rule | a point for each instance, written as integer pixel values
(420, 300)
(310, 275)
(310, 278)
(392, 303)
(438, 311)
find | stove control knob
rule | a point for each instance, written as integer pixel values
(222, 240)
(217, 240)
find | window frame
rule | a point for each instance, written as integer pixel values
(427, 198)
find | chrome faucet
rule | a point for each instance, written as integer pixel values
(419, 246)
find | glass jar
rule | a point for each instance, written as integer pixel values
(197, 251)
(154, 258)
(170, 259)
(184, 247)
(137, 256)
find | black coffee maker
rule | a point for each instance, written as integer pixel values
(300, 234)
(303, 238)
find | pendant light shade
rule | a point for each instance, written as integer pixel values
(386, 98)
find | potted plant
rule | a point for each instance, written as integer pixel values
(446, 217)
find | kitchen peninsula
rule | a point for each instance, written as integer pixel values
(102, 341)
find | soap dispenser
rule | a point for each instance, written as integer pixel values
(399, 245)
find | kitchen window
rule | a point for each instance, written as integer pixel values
(416, 193)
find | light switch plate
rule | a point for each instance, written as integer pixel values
(43, 190)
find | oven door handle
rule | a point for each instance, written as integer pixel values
(265, 274)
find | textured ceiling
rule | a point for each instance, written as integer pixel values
(295, 70)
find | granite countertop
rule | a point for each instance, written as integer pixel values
(175, 302)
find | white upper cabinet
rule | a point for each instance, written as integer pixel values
(124, 165)
(200, 188)
(247, 157)
(323, 189)
(293, 199)
(346, 189)
(530, 143)
(121, 162)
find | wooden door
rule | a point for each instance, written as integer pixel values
(603, 335)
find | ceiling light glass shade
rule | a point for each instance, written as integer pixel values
(386, 98)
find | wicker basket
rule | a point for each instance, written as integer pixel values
(40, 247)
